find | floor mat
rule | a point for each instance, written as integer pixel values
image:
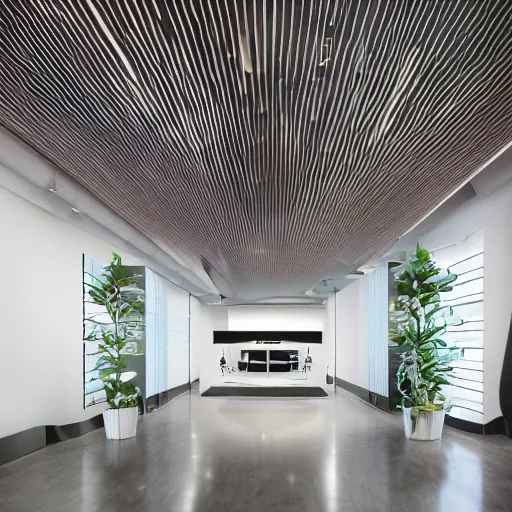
(292, 391)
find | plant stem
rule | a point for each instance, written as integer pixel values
(118, 373)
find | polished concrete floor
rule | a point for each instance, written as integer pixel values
(264, 455)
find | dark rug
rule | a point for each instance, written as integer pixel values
(287, 392)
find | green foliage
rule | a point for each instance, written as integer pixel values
(420, 322)
(114, 292)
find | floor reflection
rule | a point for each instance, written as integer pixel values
(463, 482)
(287, 421)
(209, 454)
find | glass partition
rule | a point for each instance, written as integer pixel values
(167, 335)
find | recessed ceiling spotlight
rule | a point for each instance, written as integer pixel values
(75, 210)
(53, 185)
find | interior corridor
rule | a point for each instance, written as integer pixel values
(221, 455)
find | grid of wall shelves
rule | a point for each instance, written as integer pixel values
(467, 299)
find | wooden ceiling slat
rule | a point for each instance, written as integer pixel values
(267, 140)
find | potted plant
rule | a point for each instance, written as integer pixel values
(421, 320)
(121, 299)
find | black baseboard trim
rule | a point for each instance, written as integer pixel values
(353, 388)
(23, 443)
(56, 434)
(18, 445)
(159, 400)
(497, 426)
(464, 425)
(382, 402)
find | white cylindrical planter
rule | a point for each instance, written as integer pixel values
(121, 423)
(428, 425)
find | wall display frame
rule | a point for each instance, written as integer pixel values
(466, 390)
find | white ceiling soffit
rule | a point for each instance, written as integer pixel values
(268, 141)
(29, 176)
(495, 176)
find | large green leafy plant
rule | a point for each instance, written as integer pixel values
(421, 320)
(115, 292)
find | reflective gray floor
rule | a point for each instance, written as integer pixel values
(217, 454)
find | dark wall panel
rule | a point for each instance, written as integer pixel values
(223, 337)
(506, 385)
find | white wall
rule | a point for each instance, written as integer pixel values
(201, 334)
(276, 318)
(207, 320)
(329, 338)
(352, 333)
(41, 375)
(179, 336)
(195, 337)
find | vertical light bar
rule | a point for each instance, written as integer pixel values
(378, 331)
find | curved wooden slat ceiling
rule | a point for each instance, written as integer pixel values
(269, 140)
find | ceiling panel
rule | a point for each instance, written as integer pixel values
(269, 141)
